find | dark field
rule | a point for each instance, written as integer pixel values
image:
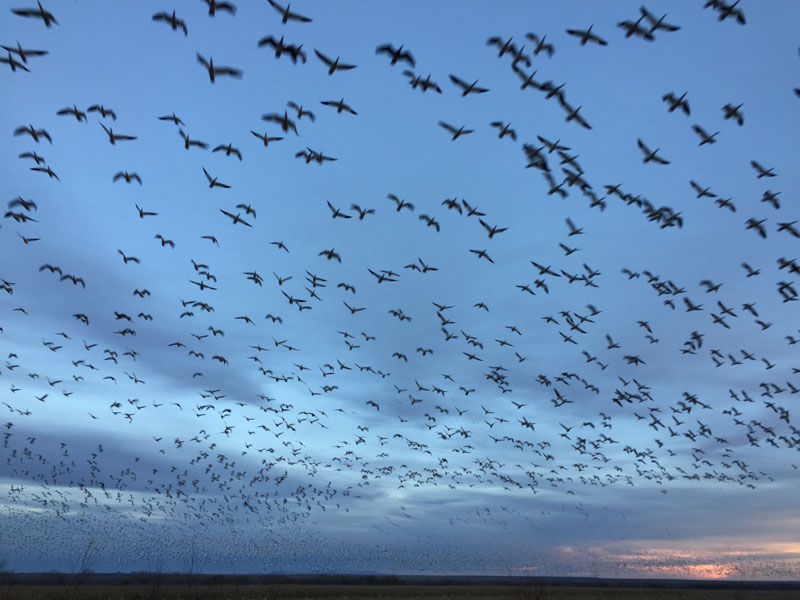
(347, 592)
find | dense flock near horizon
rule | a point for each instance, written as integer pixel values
(285, 272)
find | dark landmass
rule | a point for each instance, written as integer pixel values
(219, 579)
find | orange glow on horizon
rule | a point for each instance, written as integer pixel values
(695, 571)
(709, 561)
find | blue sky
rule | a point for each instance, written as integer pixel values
(301, 448)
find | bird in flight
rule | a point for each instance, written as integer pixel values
(104, 112)
(573, 230)
(212, 181)
(657, 23)
(335, 212)
(633, 28)
(11, 62)
(573, 113)
(468, 88)
(128, 177)
(362, 212)
(188, 143)
(228, 149)
(235, 218)
(287, 15)
(676, 102)
(143, 213)
(425, 84)
(339, 105)
(114, 137)
(333, 65)
(705, 137)
(34, 133)
(400, 203)
(284, 121)
(215, 5)
(758, 226)
(46, 170)
(492, 230)
(482, 254)
(541, 44)
(504, 129)
(651, 155)
(126, 259)
(397, 54)
(266, 139)
(213, 71)
(280, 47)
(22, 53)
(37, 13)
(301, 112)
(78, 114)
(587, 35)
(172, 20)
(762, 172)
(734, 112)
(456, 133)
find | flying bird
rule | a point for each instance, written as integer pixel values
(287, 15)
(586, 35)
(301, 112)
(333, 65)
(23, 53)
(541, 44)
(284, 121)
(128, 177)
(266, 139)
(11, 62)
(657, 23)
(492, 230)
(46, 170)
(104, 112)
(215, 5)
(212, 181)
(467, 88)
(113, 138)
(634, 28)
(214, 71)
(78, 114)
(705, 137)
(38, 13)
(339, 105)
(188, 143)
(651, 155)
(762, 172)
(397, 54)
(229, 150)
(36, 134)
(456, 133)
(758, 226)
(235, 218)
(504, 129)
(172, 21)
(734, 112)
(362, 212)
(676, 102)
(400, 204)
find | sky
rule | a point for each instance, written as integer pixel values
(565, 351)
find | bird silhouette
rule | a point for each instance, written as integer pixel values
(287, 15)
(396, 54)
(174, 22)
(333, 65)
(214, 71)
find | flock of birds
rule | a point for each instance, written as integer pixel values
(596, 422)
